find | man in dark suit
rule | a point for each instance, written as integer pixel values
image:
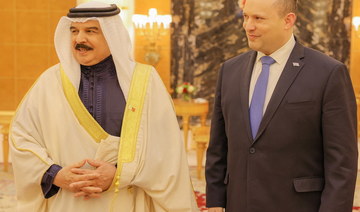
(283, 134)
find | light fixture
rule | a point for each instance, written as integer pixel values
(206, 8)
(152, 27)
(356, 23)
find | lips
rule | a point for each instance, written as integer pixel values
(252, 37)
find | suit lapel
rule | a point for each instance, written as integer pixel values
(289, 74)
(245, 77)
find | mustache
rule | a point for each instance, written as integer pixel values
(80, 45)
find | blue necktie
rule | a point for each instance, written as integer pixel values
(258, 98)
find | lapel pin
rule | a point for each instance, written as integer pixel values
(133, 109)
(296, 64)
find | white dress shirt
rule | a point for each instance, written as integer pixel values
(281, 56)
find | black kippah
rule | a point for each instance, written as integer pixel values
(93, 12)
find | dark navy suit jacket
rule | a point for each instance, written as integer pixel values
(304, 157)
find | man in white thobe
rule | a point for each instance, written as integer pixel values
(98, 126)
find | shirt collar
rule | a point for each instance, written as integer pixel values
(102, 68)
(281, 55)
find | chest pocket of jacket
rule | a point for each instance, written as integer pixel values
(299, 104)
(309, 184)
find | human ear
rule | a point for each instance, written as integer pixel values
(241, 3)
(290, 19)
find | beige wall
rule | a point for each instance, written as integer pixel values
(26, 44)
(355, 58)
(355, 51)
(163, 67)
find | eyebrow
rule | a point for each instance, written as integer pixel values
(95, 28)
(92, 28)
(255, 14)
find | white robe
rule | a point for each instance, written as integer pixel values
(46, 131)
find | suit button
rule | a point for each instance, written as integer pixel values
(252, 150)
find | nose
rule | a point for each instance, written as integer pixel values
(249, 24)
(80, 37)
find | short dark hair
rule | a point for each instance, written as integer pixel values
(286, 6)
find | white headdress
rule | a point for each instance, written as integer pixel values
(116, 36)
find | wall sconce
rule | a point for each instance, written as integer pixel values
(356, 23)
(152, 27)
(206, 8)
